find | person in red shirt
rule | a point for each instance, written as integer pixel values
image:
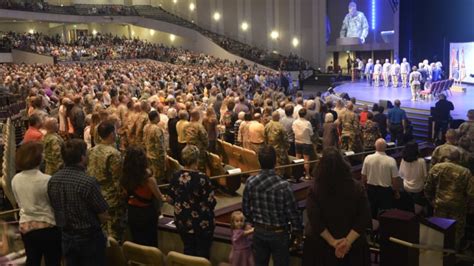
(363, 115)
(33, 133)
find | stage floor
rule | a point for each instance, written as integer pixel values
(463, 101)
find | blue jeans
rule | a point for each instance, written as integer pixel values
(84, 249)
(266, 244)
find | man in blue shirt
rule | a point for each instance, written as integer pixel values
(397, 121)
(269, 204)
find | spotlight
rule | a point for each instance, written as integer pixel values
(295, 42)
(175, 1)
(31, 31)
(152, 32)
(192, 6)
(216, 16)
(172, 37)
(244, 26)
(94, 32)
(274, 35)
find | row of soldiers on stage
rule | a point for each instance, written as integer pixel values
(396, 72)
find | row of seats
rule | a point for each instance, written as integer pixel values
(438, 87)
(135, 254)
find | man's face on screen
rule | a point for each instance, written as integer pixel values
(352, 9)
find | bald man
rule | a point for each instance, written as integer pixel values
(380, 173)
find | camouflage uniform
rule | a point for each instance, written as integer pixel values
(97, 138)
(196, 135)
(153, 137)
(137, 129)
(466, 130)
(370, 134)
(350, 135)
(450, 187)
(52, 143)
(105, 164)
(443, 151)
(276, 136)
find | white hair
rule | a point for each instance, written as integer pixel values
(328, 118)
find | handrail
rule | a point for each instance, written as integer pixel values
(289, 165)
(424, 248)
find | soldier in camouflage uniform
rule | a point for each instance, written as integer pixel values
(52, 143)
(154, 139)
(350, 135)
(103, 115)
(275, 135)
(139, 124)
(370, 132)
(196, 135)
(466, 131)
(443, 151)
(450, 188)
(105, 164)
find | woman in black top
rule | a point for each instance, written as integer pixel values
(192, 196)
(338, 212)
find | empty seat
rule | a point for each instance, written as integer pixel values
(178, 259)
(114, 254)
(142, 255)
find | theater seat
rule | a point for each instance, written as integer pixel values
(142, 255)
(114, 254)
(178, 259)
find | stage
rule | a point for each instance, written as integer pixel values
(364, 93)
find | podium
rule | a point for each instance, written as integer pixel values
(345, 41)
(406, 239)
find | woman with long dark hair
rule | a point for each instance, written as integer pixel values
(413, 172)
(338, 212)
(142, 190)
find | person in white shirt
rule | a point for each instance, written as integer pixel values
(38, 229)
(377, 73)
(413, 172)
(395, 73)
(386, 72)
(298, 107)
(415, 82)
(380, 173)
(303, 145)
(404, 71)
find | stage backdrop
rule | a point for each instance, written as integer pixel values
(461, 61)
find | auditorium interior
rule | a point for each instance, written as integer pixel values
(237, 132)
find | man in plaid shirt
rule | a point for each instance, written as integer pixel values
(269, 204)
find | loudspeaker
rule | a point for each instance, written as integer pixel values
(386, 104)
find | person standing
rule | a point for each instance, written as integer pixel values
(287, 122)
(350, 133)
(154, 139)
(377, 72)
(192, 195)
(396, 121)
(442, 117)
(395, 73)
(142, 190)
(77, 118)
(33, 132)
(269, 205)
(197, 135)
(443, 151)
(79, 208)
(140, 123)
(369, 71)
(105, 164)
(52, 143)
(173, 134)
(41, 237)
(450, 188)
(180, 130)
(381, 119)
(466, 131)
(256, 133)
(303, 144)
(380, 173)
(404, 71)
(276, 136)
(386, 72)
(415, 83)
(335, 234)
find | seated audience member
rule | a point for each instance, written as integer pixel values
(142, 191)
(450, 187)
(79, 208)
(380, 173)
(335, 234)
(413, 172)
(33, 132)
(192, 195)
(41, 237)
(269, 205)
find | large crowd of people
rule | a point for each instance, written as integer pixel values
(99, 133)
